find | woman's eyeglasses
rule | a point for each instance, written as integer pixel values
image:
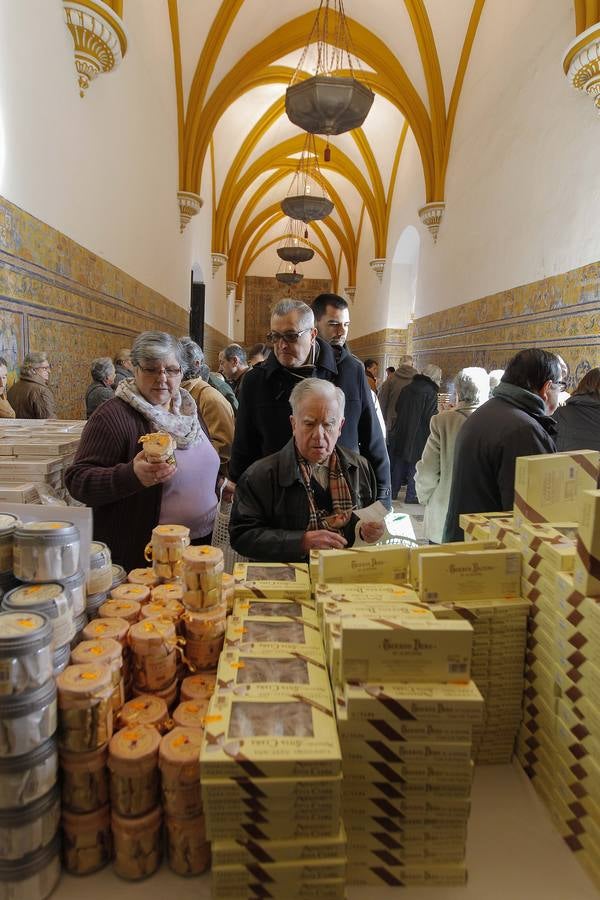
(290, 337)
(169, 371)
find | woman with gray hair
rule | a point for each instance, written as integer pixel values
(128, 494)
(100, 390)
(30, 396)
(433, 478)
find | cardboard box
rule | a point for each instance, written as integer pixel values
(221, 793)
(406, 703)
(239, 670)
(450, 547)
(243, 633)
(407, 876)
(277, 580)
(277, 875)
(405, 648)
(230, 852)
(586, 573)
(466, 576)
(246, 607)
(290, 735)
(347, 594)
(407, 751)
(369, 564)
(549, 487)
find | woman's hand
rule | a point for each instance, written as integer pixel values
(371, 532)
(151, 474)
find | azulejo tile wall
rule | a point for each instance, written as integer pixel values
(560, 313)
(386, 346)
(57, 296)
(261, 294)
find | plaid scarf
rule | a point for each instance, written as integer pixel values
(341, 497)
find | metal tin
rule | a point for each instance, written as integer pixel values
(45, 551)
(100, 575)
(24, 779)
(27, 720)
(31, 878)
(75, 588)
(25, 651)
(50, 599)
(29, 828)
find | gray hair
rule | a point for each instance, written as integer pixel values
(192, 353)
(472, 385)
(102, 368)
(156, 345)
(306, 315)
(433, 372)
(235, 350)
(33, 359)
(495, 378)
(317, 386)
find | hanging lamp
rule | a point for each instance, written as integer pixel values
(292, 249)
(327, 103)
(306, 199)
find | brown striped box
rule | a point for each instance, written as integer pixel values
(549, 487)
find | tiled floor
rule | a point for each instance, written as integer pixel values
(514, 853)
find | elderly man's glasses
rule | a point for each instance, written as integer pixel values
(560, 384)
(169, 371)
(290, 337)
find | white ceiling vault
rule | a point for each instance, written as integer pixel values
(233, 61)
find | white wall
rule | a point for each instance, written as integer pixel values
(523, 192)
(102, 169)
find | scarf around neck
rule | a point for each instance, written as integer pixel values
(182, 423)
(341, 497)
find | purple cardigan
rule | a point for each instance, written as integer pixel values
(102, 476)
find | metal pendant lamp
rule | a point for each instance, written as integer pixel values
(289, 278)
(328, 103)
(306, 199)
(292, 249)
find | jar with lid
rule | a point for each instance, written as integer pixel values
(27, 829)
(201, 655)
(228, 591)
(45, 551)
(168, 694)
(170, 590)
(139, 593)
(84, 780)
(79, 623)
(119, 575)
(191, 714)
(110, 653)
(198, 687)
(205, 625)
(146, 709)
(147, 577)
(137, 844)
(100, 575)
(74, 587)
(85, 709)
(7, 528)
(87, 843)
(60, 659)
(120, 609)
(32, 878)
(49, 599)
(133, 767)
(188, 850)
(27, 720)
(170, 610)
(154, 655)
(94, 602)
(203, 569)
(166, 550)
(26, 778)
(179, 762)
(25, 651)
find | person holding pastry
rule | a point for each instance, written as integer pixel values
(144, 457)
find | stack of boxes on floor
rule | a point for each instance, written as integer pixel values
(36, 628)
(270, 760)
(34, 456)
(557, 518)
(405, 708)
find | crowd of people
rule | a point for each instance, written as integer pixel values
(301, 437)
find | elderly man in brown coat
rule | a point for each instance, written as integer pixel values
(30, 396)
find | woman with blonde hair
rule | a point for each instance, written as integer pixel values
(579, 419)
(433, 478)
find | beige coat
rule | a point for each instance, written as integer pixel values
(6, 410)
(216, 414)
(434, 470)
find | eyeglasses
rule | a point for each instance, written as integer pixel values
(561, 384)
(169, 371)
(290, 337)
(45, 366)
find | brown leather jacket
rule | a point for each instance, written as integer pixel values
(31, 398)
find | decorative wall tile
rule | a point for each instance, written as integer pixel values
(261, 294)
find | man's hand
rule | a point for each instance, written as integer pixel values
(151, 474)
(322, 540)
(371, 532)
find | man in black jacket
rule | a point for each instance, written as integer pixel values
(263, 426)
(416, 404)
(515, 422)
(362, 431)
(303, 497)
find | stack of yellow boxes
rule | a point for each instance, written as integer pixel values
(483, 586)
(559, 739)
(270, 760)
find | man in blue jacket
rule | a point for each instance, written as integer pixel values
(263, 426)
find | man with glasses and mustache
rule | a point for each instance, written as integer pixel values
(263, 426)
(30, 396)
(516, 421)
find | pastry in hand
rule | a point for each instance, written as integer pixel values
(159, 447)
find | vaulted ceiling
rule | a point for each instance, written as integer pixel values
(233, 61)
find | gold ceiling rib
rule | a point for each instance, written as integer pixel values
(587, 13)
(174, 22)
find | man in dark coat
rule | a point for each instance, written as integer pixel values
(391, 387)
(362, 431)
(515, 422)
(416, 404)
(263, 426)
(303, 497)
